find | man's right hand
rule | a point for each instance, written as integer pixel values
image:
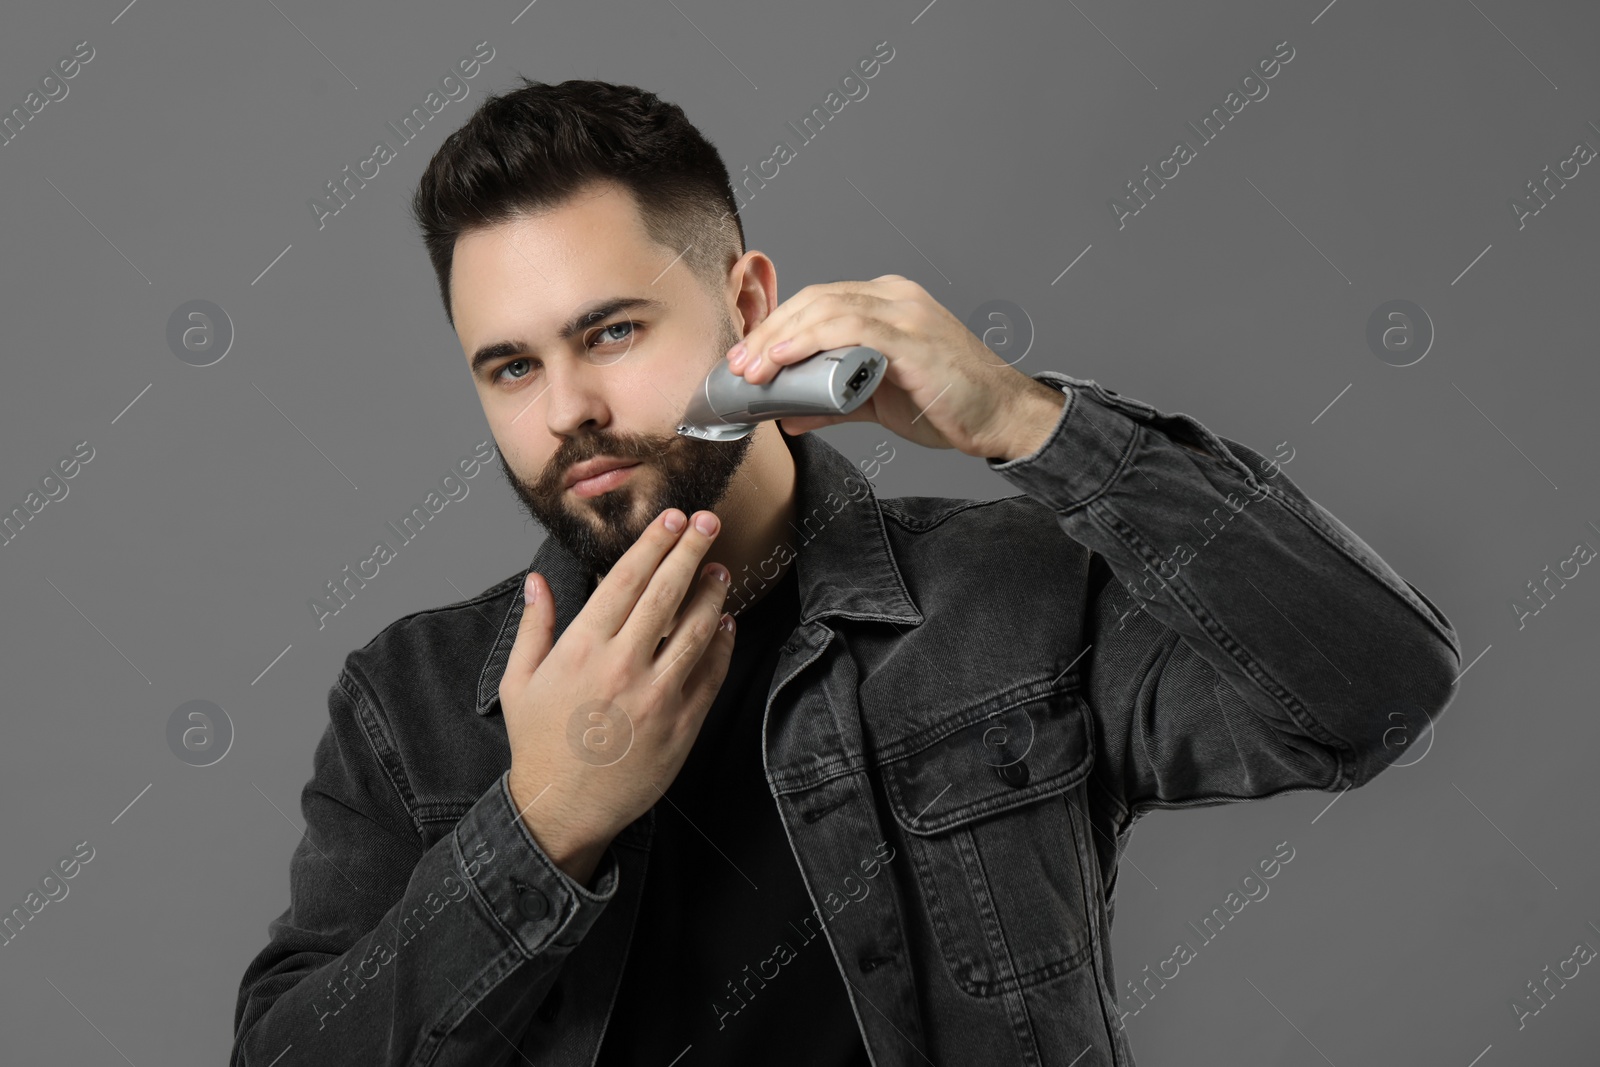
(601, 723)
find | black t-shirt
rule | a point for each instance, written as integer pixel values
(702, 922)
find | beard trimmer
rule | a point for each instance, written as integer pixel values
(834, 382)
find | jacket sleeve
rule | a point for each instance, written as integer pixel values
(1241, 641)
(398, 951)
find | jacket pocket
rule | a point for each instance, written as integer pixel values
(994, 824)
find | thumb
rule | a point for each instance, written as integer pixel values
(534, 635)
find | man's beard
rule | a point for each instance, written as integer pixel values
(695, 473)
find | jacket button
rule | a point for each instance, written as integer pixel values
(552, 1004)
(1014, 773)
(532, 903)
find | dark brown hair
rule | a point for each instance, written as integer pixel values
(530, 148)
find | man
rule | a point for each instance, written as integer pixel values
(588, 817)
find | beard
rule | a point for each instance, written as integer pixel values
(598, 530)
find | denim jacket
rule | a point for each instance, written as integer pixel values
(979, 700)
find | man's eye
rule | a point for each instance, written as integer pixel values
(604, 335)
(523, 367)
(527, 369)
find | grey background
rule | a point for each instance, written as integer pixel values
(180, 564)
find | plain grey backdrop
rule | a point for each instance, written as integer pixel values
(1382, 165)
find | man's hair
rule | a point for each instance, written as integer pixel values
(530, 149)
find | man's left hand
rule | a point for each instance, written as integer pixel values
(943, 388)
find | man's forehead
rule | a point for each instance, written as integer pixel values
(546, 278)
(574, 243)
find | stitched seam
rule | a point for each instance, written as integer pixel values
(1097, 945)
(1185, 598)
(1022, 1025)
(516, 946)
(1333, 537)
(377, 738)
(505, 637)
(906, 521)
(1123, 463)
(1201, 800)
(487, 594)
(439, 1030)
(1035, 689)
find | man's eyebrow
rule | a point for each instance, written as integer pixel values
(595, 312)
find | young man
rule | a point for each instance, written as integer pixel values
(576, 820)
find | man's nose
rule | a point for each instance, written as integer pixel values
(575, 399)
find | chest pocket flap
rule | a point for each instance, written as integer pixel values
(1000, 847)
(1020, 746)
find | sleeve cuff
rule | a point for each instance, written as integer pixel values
(1086, 451)
(535, 902)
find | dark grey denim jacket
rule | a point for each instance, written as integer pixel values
(961, 732)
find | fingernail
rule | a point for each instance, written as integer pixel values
(779, 347)
(726, 623)
(736, 357)
(719, 572)
(706, 524)
(530, 590)
(674, 520)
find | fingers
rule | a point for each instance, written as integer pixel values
(804, 340)
(797, 309)
(816, 319)
(535, 635)
(614, 599)
(654, 610)
(696, 654)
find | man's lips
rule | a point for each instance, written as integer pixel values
(592, 467)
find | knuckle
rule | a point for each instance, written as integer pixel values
(612, 678)
(656, 599)
(580, 642)
(701, 631)
(907, 316)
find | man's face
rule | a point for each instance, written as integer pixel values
(615, 388)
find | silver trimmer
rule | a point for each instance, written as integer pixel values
(835, 382)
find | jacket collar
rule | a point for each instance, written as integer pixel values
(843, 560)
